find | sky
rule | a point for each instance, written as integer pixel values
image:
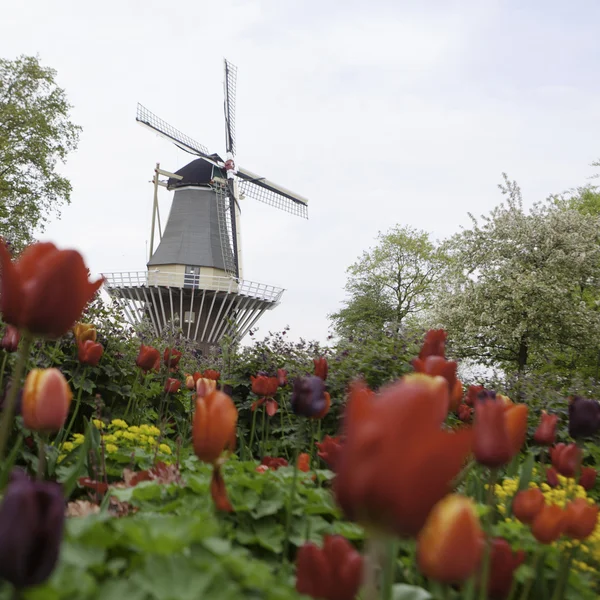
(380, 113)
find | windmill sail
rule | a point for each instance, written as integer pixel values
(230, 92)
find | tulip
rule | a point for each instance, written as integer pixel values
(31, 530)
(456, 396)
(329, 450)
(549, 524)
(205, 386)
(552, 477)
(449, 546)
(10, 341)
(397, 462)
(580, 519)
(492, 444)
(304, 462)
(171, 357)
(89, 353)
(587, 480)
(545, 434)
(213, 432)
(473, 392)
(515, 417)
(274, 462)
(527, 504)
(438, 365)
(172, 385)
(434, 344)
(264, 386)
(45, 290)
(465, 413)
(566, 459)
(261, 469)
(584, 417)
(211, 374)
(190, 384)
(271, 405)
(321, 367)
(503, 563)
(148, 358)
(331, 573)
(46, 400)
(282, 377)
(309, 398)
(84, 332)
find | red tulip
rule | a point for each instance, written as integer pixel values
(549, 524)
(438, 365)
(171, 357)
(473, 392)
(261, 469)
(552, 477)
(172, 385)
(581, 519)
(211, 374)
(148, 358)
(331, 573)
(46, 400)
(449, 546)
(282, 377)
(465, 413)
(329, 450)
(527, 504)
(321, 367)
(271, 405)
(545, 434)
(89, 353)
(587, 479)
(274, 462)
(492, 444)
(434, 344)
(10, 341)
(264, 386)
(566, 459)
(45, 290)
(503, 563)
(397, 462)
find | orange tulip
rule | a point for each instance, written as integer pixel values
(89, 353)
(304, 462)
(213, 433)
(84, 332)
(397, 462)
(515, 417)
(148, 358)
(473, 392)
(545, 434)
(449, 546)
(205, 386)
(46, 400)
(527, 504)
(549, 524)
(190, 384)
(45, 290)
(492, 443)
(321, 367)
(580, 518)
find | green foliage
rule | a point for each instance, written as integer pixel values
(391, 282)
(36, 133)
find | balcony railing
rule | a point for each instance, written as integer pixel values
(133, 279)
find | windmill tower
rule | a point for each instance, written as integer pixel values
(195, 273)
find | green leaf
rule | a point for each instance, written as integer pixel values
(402, 591)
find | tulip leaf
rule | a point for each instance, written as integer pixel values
(402, 591)
(73, 474)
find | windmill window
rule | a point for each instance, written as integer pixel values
(189, 317)
(192, 276)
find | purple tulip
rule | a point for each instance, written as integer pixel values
(308, 396)
(584, 417)
(32, 516)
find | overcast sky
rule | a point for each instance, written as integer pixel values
(378, 112)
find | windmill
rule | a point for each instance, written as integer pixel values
(195, 273)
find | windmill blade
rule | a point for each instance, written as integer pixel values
(150, 120)
(266, 191)
(230, 93)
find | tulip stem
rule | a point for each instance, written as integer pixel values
(64, 437)
(290, 507)
(3, 367)
(529, 583)
(132, 393)
(41, 467)
(485, 571)
(252, 429)
(563, 575)
(262, 439)
(8, 413)
(389, 570)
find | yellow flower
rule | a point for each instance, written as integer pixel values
(119, 423)
(110, 439)
(129, 436)
(111, 448)
(143, 439)
(61, 457)
(134, 429)
(119, 433)
(78, 439)
(98, 423)
(165, 449)
(151, 441)
(67, 447)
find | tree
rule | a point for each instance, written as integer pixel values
(519, 288)
(35, 135)
(391, 282)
